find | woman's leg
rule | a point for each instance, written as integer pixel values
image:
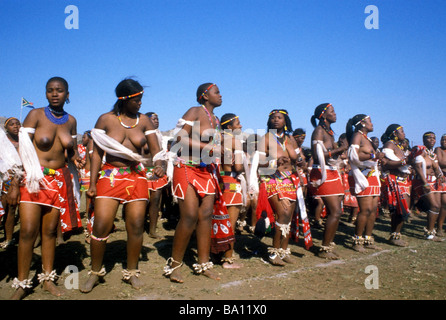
(442, 215)
(185, 227)
(334, 212)
(50, 225)
(154, 208)
(104, 215)
(134, 223)
(233, 212)
(30, 216)
(434, 202)
(283, 210)
(204, 233)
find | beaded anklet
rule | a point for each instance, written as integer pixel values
(201, 267)
(168, 268)
(47, 276)
(24, 284)
(99, 239)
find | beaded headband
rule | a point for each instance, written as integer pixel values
(205, 91)
(280, 111)
(227, 121)
(9, 119)
(428, 134)
(323, 111)
(131, 96)
(393, 132)
(362, 120)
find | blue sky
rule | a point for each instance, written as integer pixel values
(263, 54)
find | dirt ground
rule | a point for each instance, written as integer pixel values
(416, 272)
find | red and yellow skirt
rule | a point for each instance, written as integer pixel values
(419, 191)
(125, 184)
(56, 190)
(232, 189)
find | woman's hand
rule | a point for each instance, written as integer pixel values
(91, 193)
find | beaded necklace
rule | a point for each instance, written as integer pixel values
(210, 119)
(126, 126)
(53, 119)
(365, 136)
(277, 137)
(216, 139)
(398, 145)
(57, 112)
(431, 154)
(328, 130)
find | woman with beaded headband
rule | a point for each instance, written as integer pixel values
(121, 134)
(47, 136)
(85, 150)
(301, 164)
(397, 186)
(156, 184)
(428, 182)
(441, 156)
(10, 193)
(232, 179)
(325, 180)
(279, 183)
(364, 179)
(197, 143)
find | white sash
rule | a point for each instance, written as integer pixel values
(31, 163)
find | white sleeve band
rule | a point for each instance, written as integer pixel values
(30, 161)
(420, 159)
(180, 124)
(9, 157)
(320, 148)
(361, 182)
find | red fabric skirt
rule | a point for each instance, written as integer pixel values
(200, 178)
(281, 184)
(56, 190)
(417, 186)
(125, 186)
(373, 190)
(156, 184)
(232, 191)
(349, 199)
(332, 185)
(395, 189)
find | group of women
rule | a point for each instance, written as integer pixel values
(215, 172)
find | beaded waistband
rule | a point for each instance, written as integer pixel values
(120, 171)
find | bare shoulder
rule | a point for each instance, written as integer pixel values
(33, 117)
(192, 114)
(356, 138)
(145, 122)
(388, 145)
(104, 119)
(318, 133)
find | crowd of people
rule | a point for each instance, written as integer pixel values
(221, 179)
